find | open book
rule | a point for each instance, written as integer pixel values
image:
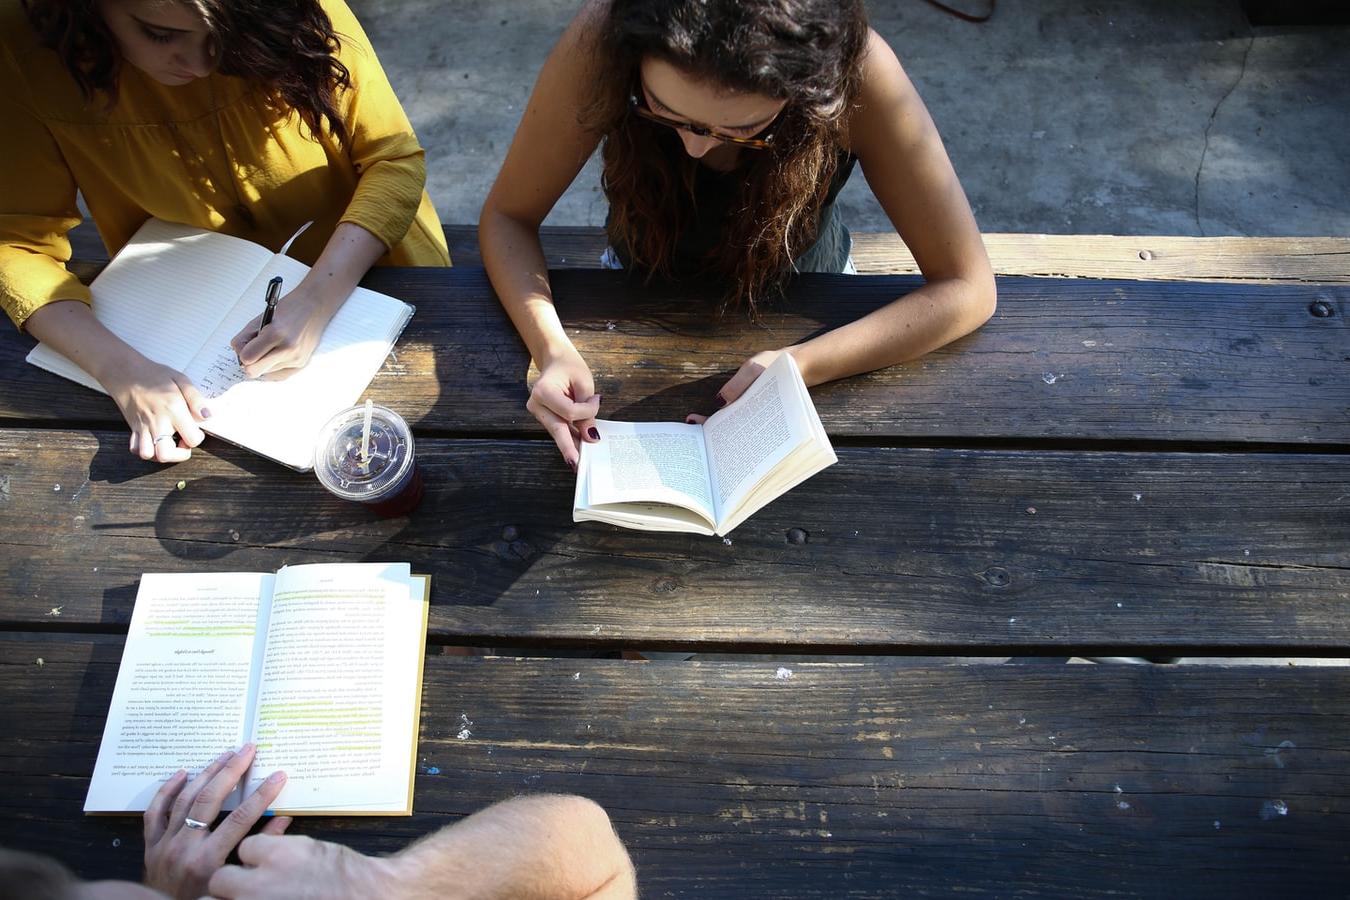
(179, 294)
(709, 478)
(319, 665)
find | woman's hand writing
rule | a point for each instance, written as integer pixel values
(290, 339)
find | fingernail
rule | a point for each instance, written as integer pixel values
(247, 747)
(206, 413)
(721, 401)
(689, 420)
(573, 464)
(594, 433)
(276, 778)
(599, 397)
(228, 754)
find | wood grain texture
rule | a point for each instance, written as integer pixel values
(735, 779)
(905, 550)
(1142, 257)
(1062, 359)
(1151, 257)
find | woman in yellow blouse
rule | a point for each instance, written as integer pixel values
(247, 117)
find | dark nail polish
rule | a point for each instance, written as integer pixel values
(593, 433)
(689, 420)
(721, 401)
(573, 464)
(206, 413)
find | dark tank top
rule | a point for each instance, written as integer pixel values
(713, 194)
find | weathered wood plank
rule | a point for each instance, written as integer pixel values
(1310, 259)
(838, 780)
(906, 550)
(1167, 258)
(1062, 359)
(1152, 257)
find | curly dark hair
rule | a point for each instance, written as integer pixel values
(807, 52)
(287, 48)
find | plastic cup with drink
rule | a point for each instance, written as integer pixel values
(365, 454)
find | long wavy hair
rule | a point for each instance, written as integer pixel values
(287, 48)
(807, 52)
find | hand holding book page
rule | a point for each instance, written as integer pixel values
(177, 295)
(319, 665)
(671, 476)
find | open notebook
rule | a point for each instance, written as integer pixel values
(178, 294)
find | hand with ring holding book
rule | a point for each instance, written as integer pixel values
(182, 848)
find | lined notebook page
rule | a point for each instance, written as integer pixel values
(165, 292)
(280, 419)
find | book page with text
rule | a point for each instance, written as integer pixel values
(279, 418)
(755, 433)
(337, 695)
(182, 690)
(648, 462)
(165, 292)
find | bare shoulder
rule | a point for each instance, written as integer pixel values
(888, 106)
(585, 31)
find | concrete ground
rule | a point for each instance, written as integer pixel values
(1061, 116)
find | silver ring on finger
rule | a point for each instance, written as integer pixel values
(196, 824)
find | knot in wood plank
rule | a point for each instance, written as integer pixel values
(995, 576)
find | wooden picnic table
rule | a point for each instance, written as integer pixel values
(1111, 466)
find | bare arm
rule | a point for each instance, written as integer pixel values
(549, 149)
(545, 847)
(908, 170)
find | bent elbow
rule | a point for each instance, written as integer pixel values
(983, 300)
(593, 859)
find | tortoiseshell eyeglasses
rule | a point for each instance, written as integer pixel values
(638, 107)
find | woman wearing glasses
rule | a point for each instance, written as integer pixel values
(728, 128)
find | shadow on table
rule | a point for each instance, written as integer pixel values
(497, 511)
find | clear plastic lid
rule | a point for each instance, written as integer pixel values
(343, 469)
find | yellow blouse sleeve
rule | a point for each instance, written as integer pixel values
(390, 164)
(37, 206)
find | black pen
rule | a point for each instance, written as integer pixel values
(273, 292)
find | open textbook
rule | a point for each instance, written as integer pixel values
(319, 665)
(178, 294)
(709, 478)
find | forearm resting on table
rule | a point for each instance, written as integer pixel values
(70, 328)
(515, 263)
(528, 848)
(918, 323)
